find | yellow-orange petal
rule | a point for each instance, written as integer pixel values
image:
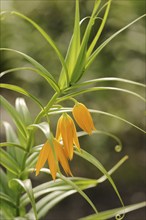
(83, 117)
(42, 157)
(58, 130)
(62, 158)
(52, 164)
(67, 134)
(75, 138)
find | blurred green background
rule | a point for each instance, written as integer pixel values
(124, 57)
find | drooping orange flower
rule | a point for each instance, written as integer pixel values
(83, 117)
(47, 153)
(66, 131)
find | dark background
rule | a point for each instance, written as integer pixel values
(124, 57)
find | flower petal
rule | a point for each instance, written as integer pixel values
(83, 117)
(42, 157)
(67, 135)
(62, 158)
(52, 164)
(58, 130)
(75, 137)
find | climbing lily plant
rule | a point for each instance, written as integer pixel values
(20, 156)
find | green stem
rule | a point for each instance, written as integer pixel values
(74, 100)
(47, 107)
(18, 202)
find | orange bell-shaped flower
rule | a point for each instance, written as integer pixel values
(83, 117)
(66, 131)
(53, 158)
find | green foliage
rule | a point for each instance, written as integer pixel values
(19, 153)
(116, 212)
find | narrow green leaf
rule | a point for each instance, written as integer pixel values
(8, 162)
(12, 139)
(30, 216)
(44, 127)
(40, 69)
(25, 200)
(75, 187)
(82, 183)
(81, 58)
(39, 188)
(83, 133)
(108, 79)
(104, 88)
(99, 166)
(59, 193)
(48, 39)
(7, 211)
(47, 202)
(32, 160)
(20, 125)
(55, 200)
(11, 144)
(118, 213)
(7, 199)
(114, 168)
(117, 117)
(97, 51)
(16, 69)
(73, 49)
(27, 186)
(23, 111)
(92, 45)
(10, 133)
(21, 91)
(23, 218)
(4, 182)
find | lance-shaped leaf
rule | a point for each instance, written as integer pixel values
(73, 49)
(4, 182)
(16, 153)
(47, 38)
(27, 186)
(93, 89)
(118, 213)
(7, 199)
(9, 163)
(99, 166)
(97, 51)
(107, 79)
(81, 58)
(75, 188)
(21, 91)
(40, 69)
(18, 121)
(44, 127)
(23, 111)
(93, 43)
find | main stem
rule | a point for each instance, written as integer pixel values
(47, 107)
